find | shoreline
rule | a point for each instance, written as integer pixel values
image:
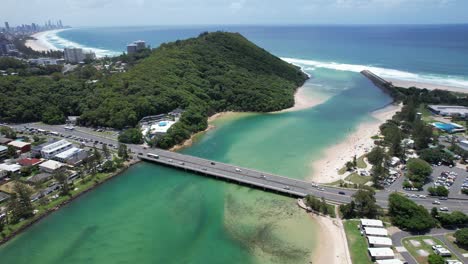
(66, 202)
(428, 86)
(358, 142)
(39, 41)
(333, 246)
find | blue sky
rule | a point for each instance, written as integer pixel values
(187, 12)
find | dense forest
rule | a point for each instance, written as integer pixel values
(211, 73)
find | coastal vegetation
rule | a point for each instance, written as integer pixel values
(363, 205)
(408, 215)
(212, 73)
(461, 237)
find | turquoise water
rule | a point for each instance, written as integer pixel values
(152, 214)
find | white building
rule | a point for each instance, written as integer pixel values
(371, 223)
(389, 261)
(381, 253)
(49, 151)
(3, 151)
(377, 242)
(3, 173)
(50, 166)
(373, 231)
(71, 156)
(449, 110)
(77, 55)
(11, 168)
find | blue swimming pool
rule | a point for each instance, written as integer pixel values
(446, 127)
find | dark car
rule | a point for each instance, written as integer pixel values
(212, 163)
(342, 193)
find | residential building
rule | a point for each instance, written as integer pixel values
(29, 162)
(77, 55)
(40, 177)
(381, 253)
(377, 242)
(3, 151)
(36, 150)
(50, 166)
(371, 223)
(46, 61)
(140, 44)
(20, 145)
(50, 150)
(73, 156)
(373, 231)
(131, 48)
(3, 173)
(4, 141)
(10, 168)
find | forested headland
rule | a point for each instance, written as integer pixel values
(211, 73)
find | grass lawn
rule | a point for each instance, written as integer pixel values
(427, 116)
(361, 164)
(358, 179)
(413, 250)
(356, 242)
(451, 239)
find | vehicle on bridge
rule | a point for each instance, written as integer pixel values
(151, 155)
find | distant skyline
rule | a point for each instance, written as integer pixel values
(187, 12)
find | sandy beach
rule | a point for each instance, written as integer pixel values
(333, 246)
(304, 100)
(429, 86)
(40, 43)
(358, 142)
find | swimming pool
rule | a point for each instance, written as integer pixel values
(446, 127)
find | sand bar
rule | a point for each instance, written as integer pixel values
(306, 99)
(358, 142)
(429, 86)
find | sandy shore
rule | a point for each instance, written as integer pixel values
(303, 100)
(332, 247)
(358, 142)
(429, 86)
(211, 119)
(40, 43)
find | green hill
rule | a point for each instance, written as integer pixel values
(211, 73)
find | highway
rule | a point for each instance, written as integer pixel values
(245, 176)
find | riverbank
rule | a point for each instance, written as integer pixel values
(39, 41)
(358, 142)
(333, 247)
(429, 86)
(55, 205)
(304, 99)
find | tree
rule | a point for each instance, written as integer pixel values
(438, 191)
(434, 212)
(108, 166)
(378, 173)
(435, 259)
(11, 152)
(435, 156)
(20, 204)
(8, 132)
(376, 156)
(349, 166)
(454, 219)
(106, 151)
(365, 204)
(407, 215)
(122, 151)
(418, 170)
(131, 136)
(97, 156)
(354, 161)
(461, 237)
(62, 178)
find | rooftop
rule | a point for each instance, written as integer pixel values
(379, 240)
(39, 177)
(55, 145)
(376, 231)
(389, 261)
(68, 153)
(10, 167)
(18, 144)
(51, 164)
(29, 162)
(371, 222)
(381, 252)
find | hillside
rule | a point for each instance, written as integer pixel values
(211, 73)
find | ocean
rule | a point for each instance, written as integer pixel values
(153, 214)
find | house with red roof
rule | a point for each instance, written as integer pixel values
(29, 162)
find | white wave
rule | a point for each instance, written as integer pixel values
(51, 39)
(383, 72)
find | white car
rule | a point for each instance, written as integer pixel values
(238, 170)
(437, 246)
(445, 209)
(435, 202)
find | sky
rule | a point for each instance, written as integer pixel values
(205, 12)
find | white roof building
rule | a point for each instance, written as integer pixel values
(377, 242)
(371, 223)
(10, 167)
(53, 149)
(381, 253)
(373, 231)
(389, 261)
(18, 144)
(50, 165)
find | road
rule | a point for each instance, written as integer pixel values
(248, 176)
